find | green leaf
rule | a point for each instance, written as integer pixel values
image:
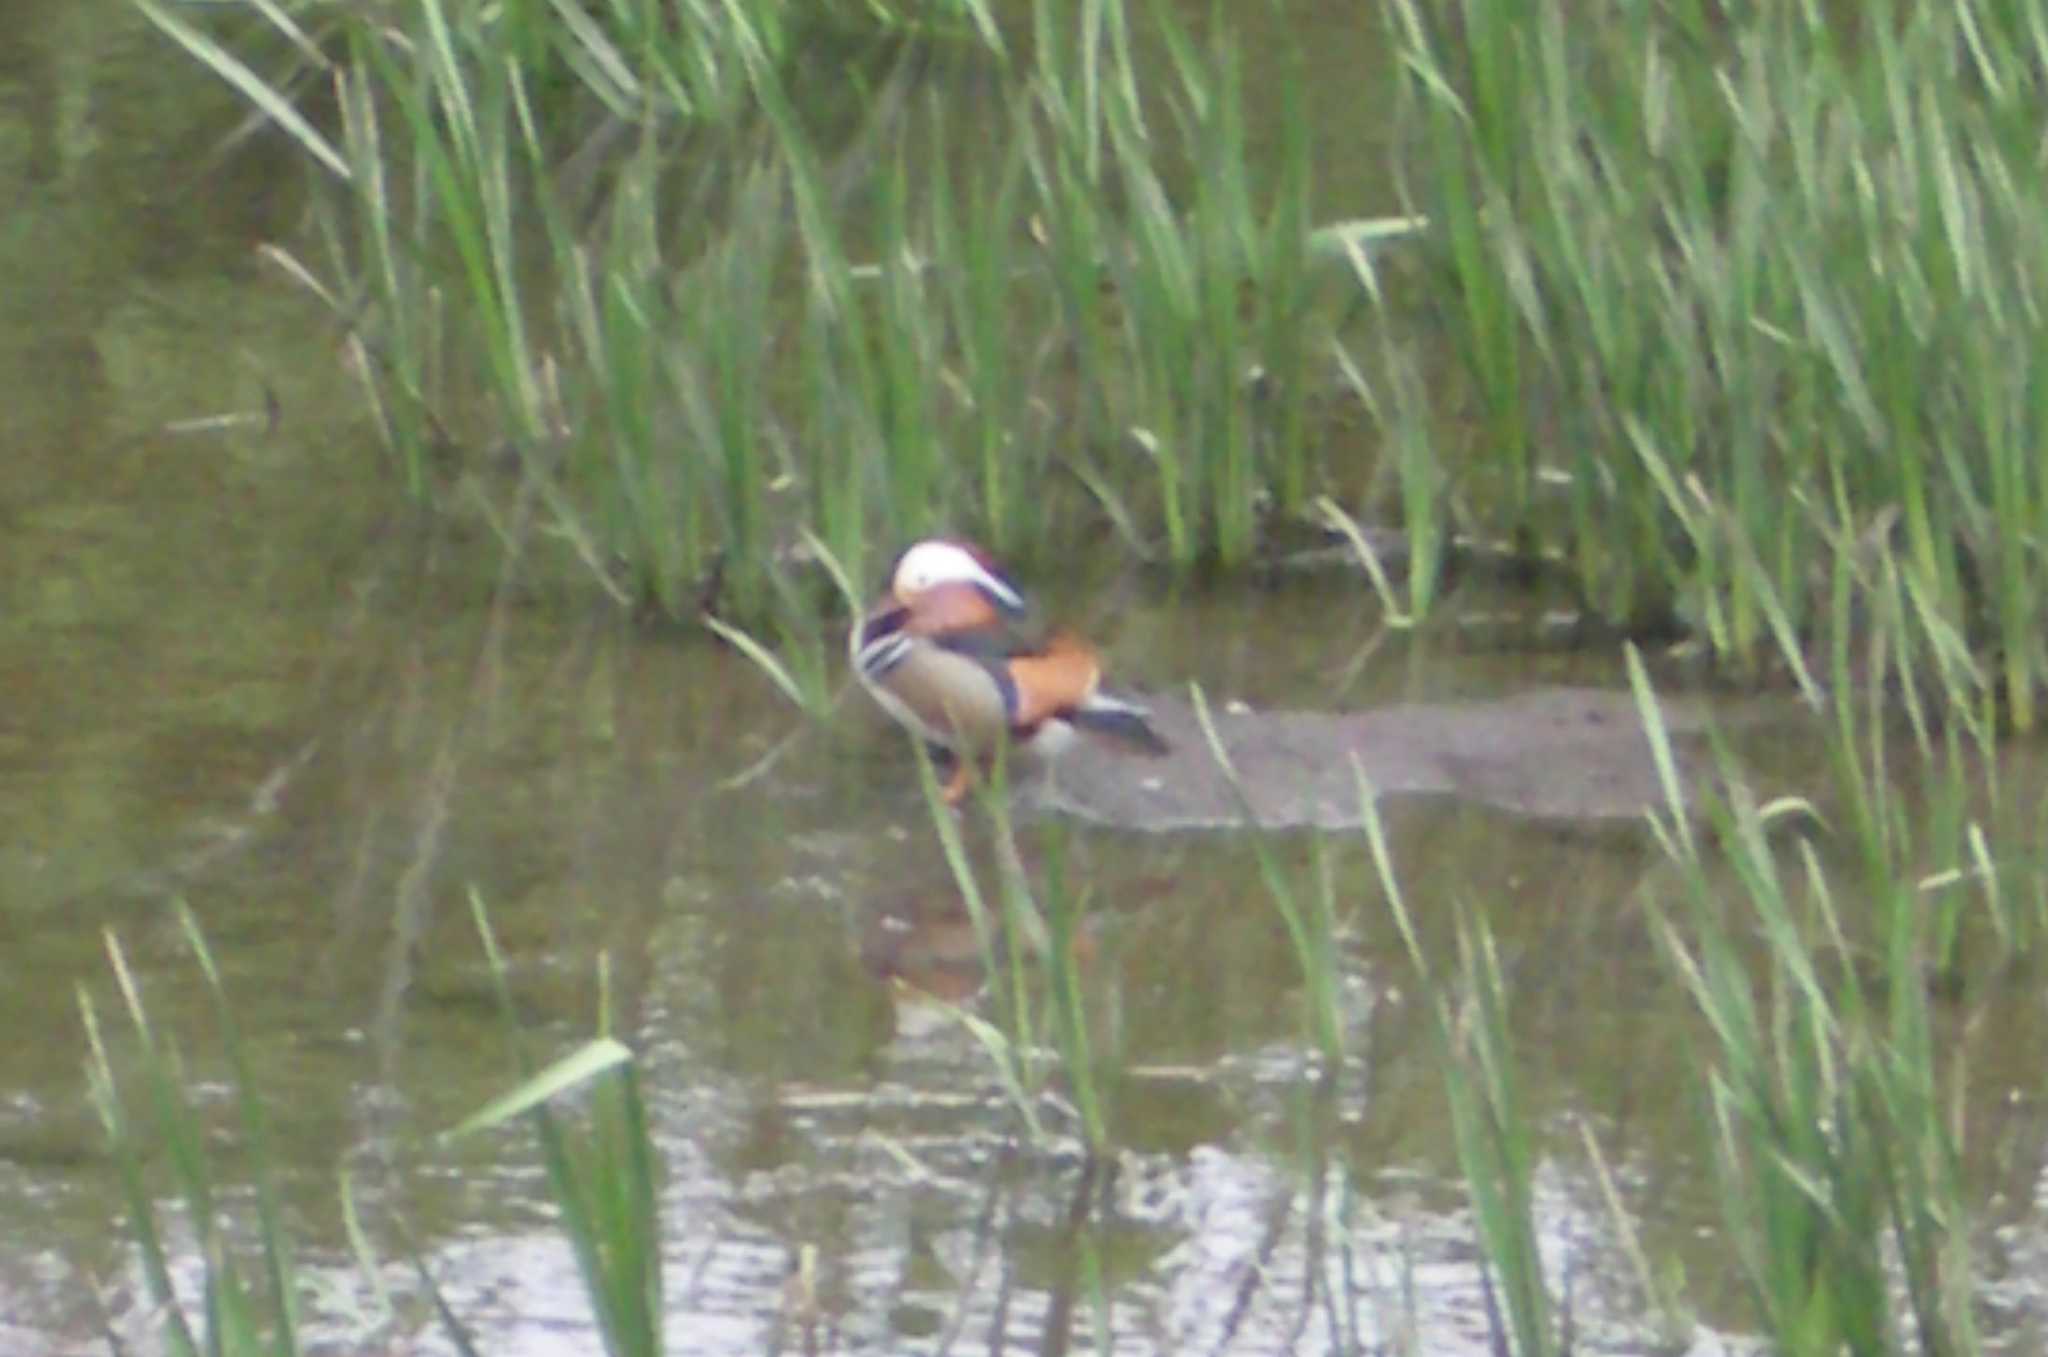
(578, 1067)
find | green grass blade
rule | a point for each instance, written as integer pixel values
(557, 1077)
(252, 87)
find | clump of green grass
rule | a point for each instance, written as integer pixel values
(1817, 947)
(1739, 298)
(1203, 340)
(1041, 1040)
(604, 1180)
(1496, 1138)
(623, 260)
(1029, 936)
(1732, 307)
(1828, 1102)
(1309, 915)
(236, 1313)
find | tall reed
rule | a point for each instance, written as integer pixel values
(623, 260)
(1754, 289)
(605, 1180)
(232, 1314)
(1830, 1130)
(1496, 1137)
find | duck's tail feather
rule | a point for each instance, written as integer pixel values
(1124, 722)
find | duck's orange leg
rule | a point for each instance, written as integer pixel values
(963, 776)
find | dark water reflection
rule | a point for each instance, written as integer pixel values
(235, 673)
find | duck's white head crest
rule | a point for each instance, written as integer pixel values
(936, 561)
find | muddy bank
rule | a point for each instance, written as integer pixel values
(1561, 753)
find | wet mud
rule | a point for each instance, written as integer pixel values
(1559, 754)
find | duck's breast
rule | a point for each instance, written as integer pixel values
(947, 697)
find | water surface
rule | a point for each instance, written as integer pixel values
(240, 673)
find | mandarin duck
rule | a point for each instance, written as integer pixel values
(943, 652)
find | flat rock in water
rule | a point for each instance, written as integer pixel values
(1560, 753)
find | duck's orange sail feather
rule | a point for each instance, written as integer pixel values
(1056, 680)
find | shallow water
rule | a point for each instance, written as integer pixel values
(239, 674)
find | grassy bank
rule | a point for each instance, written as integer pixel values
(1745, 314)
(703, 300)
(1735, 320)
